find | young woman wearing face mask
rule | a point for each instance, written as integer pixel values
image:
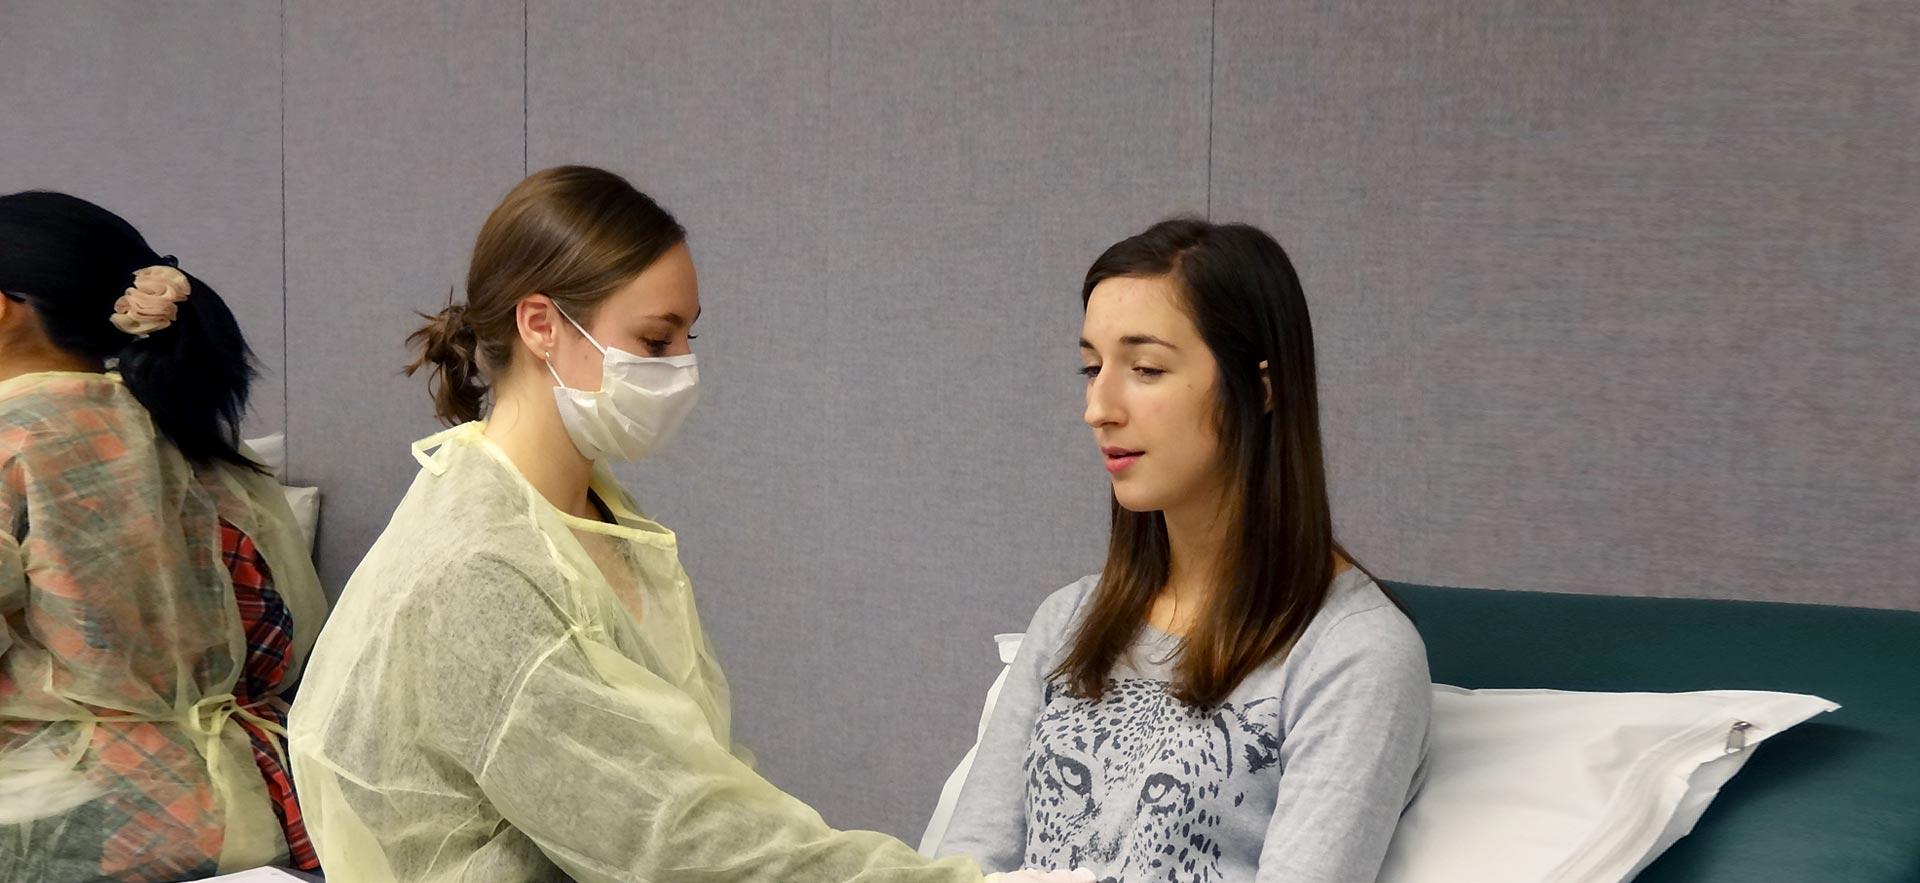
(156, 596)
(1231, 698)
(516, 685)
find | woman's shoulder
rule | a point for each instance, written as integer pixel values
(1062, 609)
(1354, 593)
(1360, 627)
(451, 588)
(51, 407)
(442, 548)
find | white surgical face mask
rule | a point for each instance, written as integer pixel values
(640, 405)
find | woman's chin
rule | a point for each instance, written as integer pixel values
(1133, 500)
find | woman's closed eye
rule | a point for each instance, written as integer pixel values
(1092, 371)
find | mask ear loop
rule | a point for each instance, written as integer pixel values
(583, 331)
(548, 361)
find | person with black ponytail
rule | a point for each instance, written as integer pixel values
(156, 597)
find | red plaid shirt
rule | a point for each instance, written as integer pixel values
(269, 629)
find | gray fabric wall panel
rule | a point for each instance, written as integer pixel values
(172, 120)
(982, 154)
(403, 130)
(729, 132)
(1635, 281)
(1304, 162)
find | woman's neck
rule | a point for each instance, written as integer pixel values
(39, 360)
(1195, 548)
(526, 426)
(1199, 538)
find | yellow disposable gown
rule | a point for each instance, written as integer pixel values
(120, 643)
(506, 692)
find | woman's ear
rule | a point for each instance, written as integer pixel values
(14, 314)
(534, 316)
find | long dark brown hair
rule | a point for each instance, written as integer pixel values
(576, 234)
(1243, 295)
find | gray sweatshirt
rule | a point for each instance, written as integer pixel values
(1299, 777)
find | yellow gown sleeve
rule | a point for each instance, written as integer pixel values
(615, 775)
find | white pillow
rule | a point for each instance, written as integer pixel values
(1545, 785)
(271, 452)
(950, 793)
(305, 503)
